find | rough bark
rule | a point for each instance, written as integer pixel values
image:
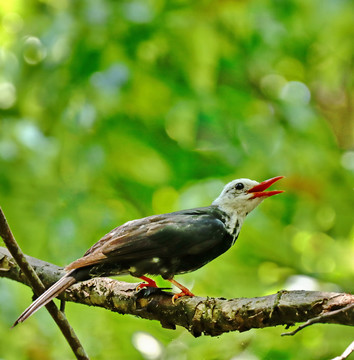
(199, 315)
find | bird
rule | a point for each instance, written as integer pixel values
(166, 244)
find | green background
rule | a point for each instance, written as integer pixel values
(111, 111)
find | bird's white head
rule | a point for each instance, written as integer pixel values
(241, 196)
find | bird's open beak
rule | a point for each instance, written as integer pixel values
(258, 190)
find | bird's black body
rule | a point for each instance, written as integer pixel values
(165, 245)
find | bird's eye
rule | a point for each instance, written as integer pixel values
(239, 186)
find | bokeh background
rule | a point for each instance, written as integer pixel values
(115, 110)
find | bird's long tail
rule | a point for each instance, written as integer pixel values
(56, 289)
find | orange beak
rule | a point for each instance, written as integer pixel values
(258, 190)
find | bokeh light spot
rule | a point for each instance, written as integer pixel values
(301, 282)
(33, 51)
(347, 160)
(325, 217)
(7, 95)
(147, 345)
(137, 12)
(296, 92)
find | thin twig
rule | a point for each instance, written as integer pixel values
(318, 319)
(346, 352)
(38, 288)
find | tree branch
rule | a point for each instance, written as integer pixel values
(321, 318)
(346, 352)
(198, 315)
(26, 272)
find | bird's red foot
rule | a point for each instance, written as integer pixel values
(182, 293)
(184, 290)
(149, 283)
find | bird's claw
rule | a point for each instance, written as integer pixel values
(143, 286)
(149, 283)
(181, 294)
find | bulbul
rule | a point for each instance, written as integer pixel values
(166, 244)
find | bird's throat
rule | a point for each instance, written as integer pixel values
(233, 225)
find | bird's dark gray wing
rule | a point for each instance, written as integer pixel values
(185, 232)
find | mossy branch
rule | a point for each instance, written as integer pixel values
(199, 315)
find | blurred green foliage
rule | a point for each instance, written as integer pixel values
(114, 110)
